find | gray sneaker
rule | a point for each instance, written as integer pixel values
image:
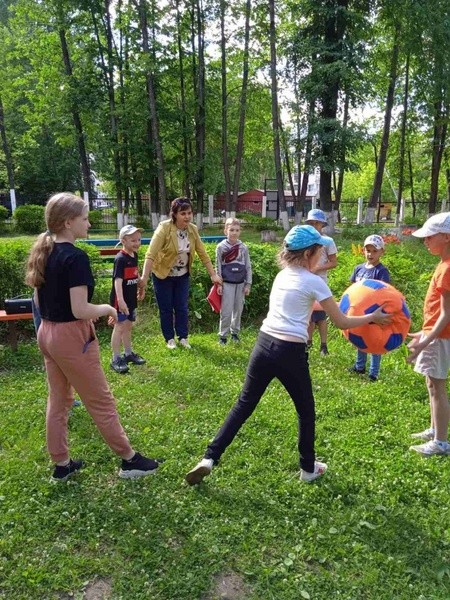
(432, 448)
(426, 435)
(119, 365)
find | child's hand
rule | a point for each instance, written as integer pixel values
(379, 317)
(246, 291)
(112, 318)
(141, 294)
(219, 290)
(414, 346)
(123, 308)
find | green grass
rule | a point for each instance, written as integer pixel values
(376, 526)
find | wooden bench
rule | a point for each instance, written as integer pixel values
(12, 330)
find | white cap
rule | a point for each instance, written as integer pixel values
(439, 223)
(374, 240)
(128, 230)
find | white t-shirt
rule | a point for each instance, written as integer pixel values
(326, 251)
(293, 293)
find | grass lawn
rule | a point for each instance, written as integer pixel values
(376, 526)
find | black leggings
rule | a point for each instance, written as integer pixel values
(287, 361)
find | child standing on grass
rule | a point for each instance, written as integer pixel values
(233, 265)
(280, 350)
(124, 297)
(328, 260)
(430, 348)
(371, 269)
(63, 284)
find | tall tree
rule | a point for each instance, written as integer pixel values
(275, 118)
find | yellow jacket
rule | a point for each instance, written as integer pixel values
(163, 248)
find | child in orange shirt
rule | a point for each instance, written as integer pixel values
(430, 348)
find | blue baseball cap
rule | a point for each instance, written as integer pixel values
(315, 214)
(304, 236)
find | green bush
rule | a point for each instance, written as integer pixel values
(95, 218)
(29, 219)
(3, 217)
(13, 257)
(259, 223)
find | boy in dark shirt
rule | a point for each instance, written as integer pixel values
(124, 297)
(371, 269)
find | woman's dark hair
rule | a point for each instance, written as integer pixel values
(178, 205)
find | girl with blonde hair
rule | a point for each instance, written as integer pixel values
(63, 284)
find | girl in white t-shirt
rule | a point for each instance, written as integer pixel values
(280, 350)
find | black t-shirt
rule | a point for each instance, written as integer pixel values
(125, 268)
(67, 267)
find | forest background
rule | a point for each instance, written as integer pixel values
(188, 97)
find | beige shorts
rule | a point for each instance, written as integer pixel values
(434, 360)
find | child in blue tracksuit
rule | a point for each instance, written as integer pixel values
(371, 269)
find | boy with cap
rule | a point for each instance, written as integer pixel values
(280, 350)
(124, 297)
(371, 269)
(328, 260)
(430, 348)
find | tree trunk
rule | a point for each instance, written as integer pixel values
(340, 181)
(84, 161)
(108, 74)
(411, 182)
(402, 142)
(242, 109)
(151, 98)
(335, 27)
(376, 189)
(200, 120)
(225, 157)
(439, 136)
(186, 170)
(275, 119)
(308, 151)
(6, 148)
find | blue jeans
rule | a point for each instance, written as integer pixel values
(172, 294)
(287, 361)
(375, 360)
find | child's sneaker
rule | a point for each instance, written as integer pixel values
(185, 344)
(134, 358)
(223, 341)
(319, 470)
(138, 466)
(62, 473)
(171, 344)
(235, 337)
(324, 350)
(203, 469)
(357, 371)
(119, 365)
(426, 435)
(432, 448)
(373, 378)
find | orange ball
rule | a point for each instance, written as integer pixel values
(364, 297)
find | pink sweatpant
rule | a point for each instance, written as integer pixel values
(72, 358)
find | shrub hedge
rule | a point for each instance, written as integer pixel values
(29, 219)
(409, 263)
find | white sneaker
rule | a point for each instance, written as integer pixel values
(319, 470)
(426, 435)
(185, 343)
(432, 448)
(203, 469)
(171, 344)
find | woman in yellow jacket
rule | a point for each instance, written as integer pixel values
(169, 260)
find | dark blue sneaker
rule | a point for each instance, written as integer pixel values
(63, 473)
(235, 337)
(134, 358)
(138, 466)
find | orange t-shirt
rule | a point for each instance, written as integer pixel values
(440, 282)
